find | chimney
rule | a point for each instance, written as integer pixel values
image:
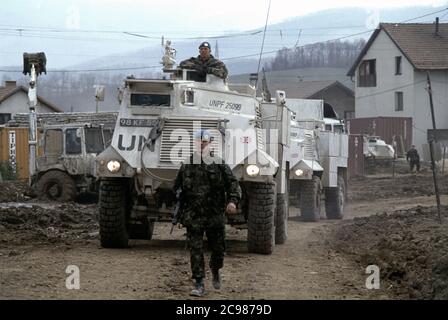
(10, 84)
(437, 27)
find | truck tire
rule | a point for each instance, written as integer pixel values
(56, 185)
(113, 213)
(261, 230)
(310, 199)
(141, 231)
(335, 200)
(281, 219)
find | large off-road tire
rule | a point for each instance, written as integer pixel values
(281, 218)
(335, 200)
(56, 185)
(142, 231)
(261, 206)
(310, 199)
(113, 213)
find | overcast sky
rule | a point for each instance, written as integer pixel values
(172, 19)
(180, 16)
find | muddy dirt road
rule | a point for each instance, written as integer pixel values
(318, 261)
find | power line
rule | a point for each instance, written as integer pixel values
(10, 32)
(426, 15)
(392, 89)
(89, 70)
(144, 34)
(238, 57)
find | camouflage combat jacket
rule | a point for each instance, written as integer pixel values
(412, 155)
(212, 66)
(206, 191)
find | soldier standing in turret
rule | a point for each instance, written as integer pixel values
(206, 63)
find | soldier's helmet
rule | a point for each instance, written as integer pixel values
(205, 44)
(203, 135)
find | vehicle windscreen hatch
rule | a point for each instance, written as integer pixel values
(94, 140)
(150, 99)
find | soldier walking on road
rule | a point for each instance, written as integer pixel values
(205, 63)
(209, 189)
(413, 158)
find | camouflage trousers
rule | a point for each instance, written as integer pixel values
(414, 163)
(216, 244)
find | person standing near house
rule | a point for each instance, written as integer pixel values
(413, 158)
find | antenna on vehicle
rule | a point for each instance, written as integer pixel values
(262, 44)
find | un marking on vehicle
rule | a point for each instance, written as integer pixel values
(125, 122)
(225, 105)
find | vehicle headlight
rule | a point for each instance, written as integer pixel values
(252, 170)
(113, 166)
(299, 172)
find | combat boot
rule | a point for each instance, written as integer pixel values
(199, 289)
(216, 279)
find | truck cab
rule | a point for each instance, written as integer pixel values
(66, 159)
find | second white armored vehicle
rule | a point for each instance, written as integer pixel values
(318, 160)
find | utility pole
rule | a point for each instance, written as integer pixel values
(33, 64)
(217, 49)
(431, 141)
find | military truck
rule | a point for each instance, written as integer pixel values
(68, 145)
(65, 170)
(154, 134)
(318, 159)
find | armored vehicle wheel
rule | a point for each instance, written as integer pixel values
(310, 200)
(281, 219)
(113, 213)
(335, 200)
(142, 231)
(261, 203)
(56, 185)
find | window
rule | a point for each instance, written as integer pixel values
(53, 143)
(4, 117)
(367, 74)
(72, 142)
(194, 76)
(94, 140)
(145, 99)
(398, 101)
(398, 65)
(108, 135)
(349, 115)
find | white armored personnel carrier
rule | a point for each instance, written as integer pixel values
(318, 160)
(154, 134)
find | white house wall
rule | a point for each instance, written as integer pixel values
(422, 113)
(18, 103)
(380, 100)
